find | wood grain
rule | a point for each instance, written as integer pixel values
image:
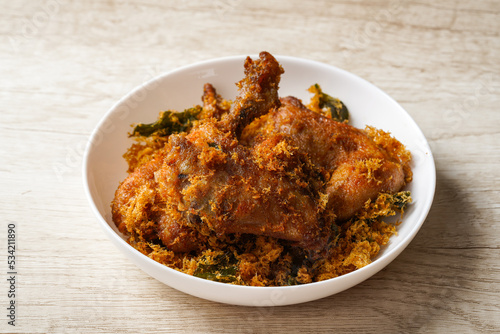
(63, 64)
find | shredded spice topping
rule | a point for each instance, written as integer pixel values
(262, 190)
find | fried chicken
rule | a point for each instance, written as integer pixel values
(356, 166)
(266, 166)
(257, 93)
(214, 106)
(219, 187)
(205, 182)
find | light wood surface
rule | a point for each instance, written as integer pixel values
(63, 64)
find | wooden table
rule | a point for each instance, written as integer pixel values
(64, 64)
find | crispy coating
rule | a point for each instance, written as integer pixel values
(139, 211)
(262, 191)
(357, 168)
(206, 183)
(257, 93)
(214, 106)
(220, 187)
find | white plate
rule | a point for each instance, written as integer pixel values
(104, 168)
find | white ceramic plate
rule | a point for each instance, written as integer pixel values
(104, 168)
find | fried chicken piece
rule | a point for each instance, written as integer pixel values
(138, 210)
(357, 165)
(133, 201)
(220, 188)
(214, 106)
(257, 93)
(264, 167)
(205, 183)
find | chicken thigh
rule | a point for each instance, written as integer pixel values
(358, 164)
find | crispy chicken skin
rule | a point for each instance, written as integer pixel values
(213, 106)
(138, 210)
(206, 183)
(219, 187)
(266, 166)
(217, 184)
(356, 166)
(257, 93)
